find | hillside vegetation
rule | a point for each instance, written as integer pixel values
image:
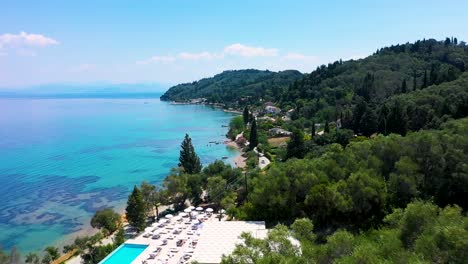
(231, 86)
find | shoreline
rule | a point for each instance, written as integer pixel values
(239, 160)
(214, 105)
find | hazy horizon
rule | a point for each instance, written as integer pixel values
(85, 88)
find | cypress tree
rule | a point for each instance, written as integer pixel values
(432, 75)
(404, 88)
(451, 75)
(135, 211)
(358, 112)
(447, 42)
(369, 122)
(384, 111)
(253, 139)
(188, 158)
(295, 148)
(367, 87)
(246, 115)
(327, 127)
(397, 121)
(415, 81)
(424, 84)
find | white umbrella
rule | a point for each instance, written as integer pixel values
(223, 211)
(200, 217)
(194, 214)
(161, 221)
(169, 216)
(182, 214)
(195, 221)
(177, 218)
(209, 210)
(188, 210)
(149, 229)
(191, 207)
(199, 208)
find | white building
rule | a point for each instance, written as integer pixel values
(278, 132)
(272, 110)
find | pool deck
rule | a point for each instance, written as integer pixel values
(171, 253)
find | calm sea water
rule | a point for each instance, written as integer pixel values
(62, 159)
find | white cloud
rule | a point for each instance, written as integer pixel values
(199, 56)
(234, 49)
(249, 51)
(25, 39)
(157, 59)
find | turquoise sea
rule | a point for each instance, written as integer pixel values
(61, 159)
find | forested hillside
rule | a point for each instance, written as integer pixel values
(230, 86)
(358, 90)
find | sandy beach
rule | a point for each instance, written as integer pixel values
(239, 160)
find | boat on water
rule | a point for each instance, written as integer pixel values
(225, 157)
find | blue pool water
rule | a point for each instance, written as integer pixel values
(63, 159)
(125, 254)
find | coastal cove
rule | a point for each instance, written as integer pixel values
(63, 159)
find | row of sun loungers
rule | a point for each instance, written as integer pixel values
(183, 231)
(171, 231)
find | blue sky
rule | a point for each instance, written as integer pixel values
(173, 41)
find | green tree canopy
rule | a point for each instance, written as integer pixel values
(106, 219)
(296, 147)
(177, 188)
(217, 189)
(32, 258)
(51, 254)
(188, 158)
(136, 210)
(246, 115)
(236, 126)
(253, 139)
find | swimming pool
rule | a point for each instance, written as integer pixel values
(124, 254)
